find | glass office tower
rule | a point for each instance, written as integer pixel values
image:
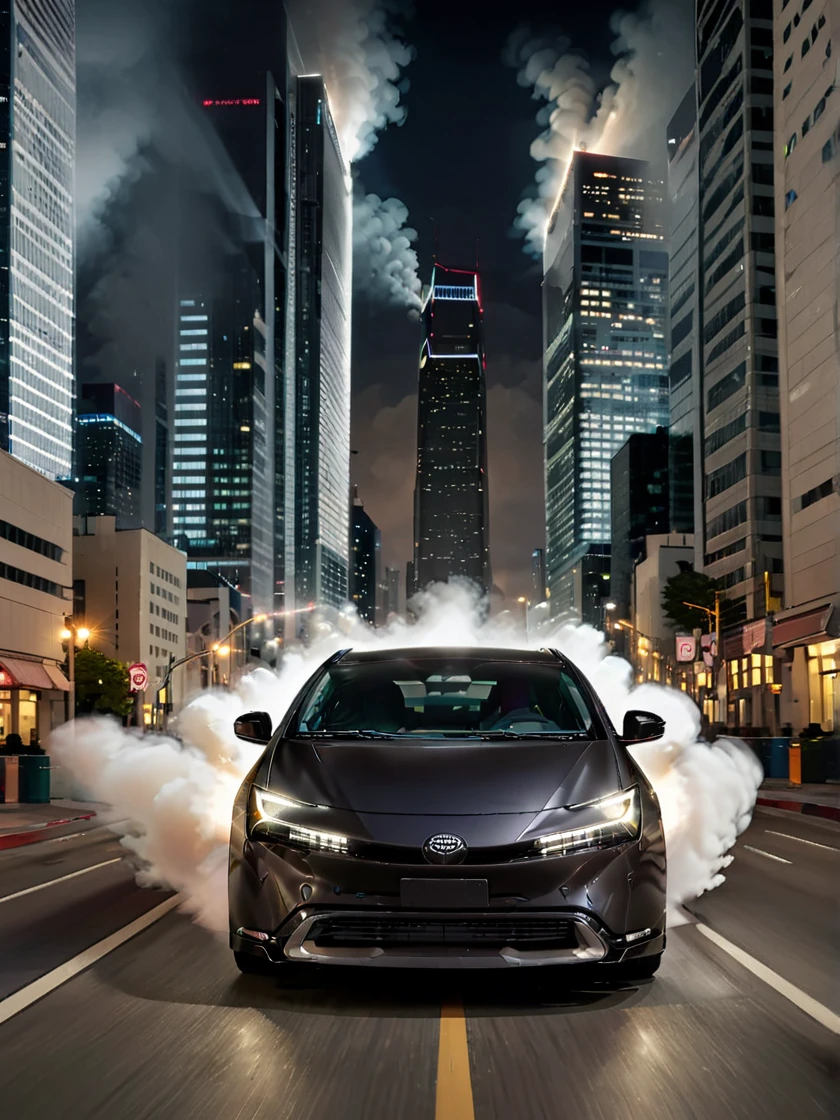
(322, 322)
(451, 529)
(37, 146)
(605, 360)
(366, 556)
(108, 455)
(221, 472)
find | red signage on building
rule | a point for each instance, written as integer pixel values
(210, 102)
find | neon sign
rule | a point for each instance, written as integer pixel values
(209, 102)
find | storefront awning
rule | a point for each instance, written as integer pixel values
(808, 628)
(750, 637)
(16, 672)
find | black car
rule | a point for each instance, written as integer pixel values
(448, 808)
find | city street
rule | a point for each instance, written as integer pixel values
(162, 1025)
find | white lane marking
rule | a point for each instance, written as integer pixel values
(769, 855)
(60, 879)
(801, 999)
(802, 840)
(41, 987)
(74, 835)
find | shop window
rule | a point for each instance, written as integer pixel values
(28, 716)
(5, 714)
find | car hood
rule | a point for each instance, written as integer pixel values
(441, 777)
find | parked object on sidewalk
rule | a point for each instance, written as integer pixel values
(34, 779)
(13, 745)
(795, 762)
(9, 777)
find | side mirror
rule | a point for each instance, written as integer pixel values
(641, 727)
(253, 727)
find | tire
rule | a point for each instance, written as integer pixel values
(251, 965)
(641, 969)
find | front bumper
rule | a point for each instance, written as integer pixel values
(397, 940)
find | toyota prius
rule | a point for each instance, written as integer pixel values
(448, 808)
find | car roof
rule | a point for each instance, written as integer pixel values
(413, 653)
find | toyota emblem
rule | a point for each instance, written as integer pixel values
(445, 848)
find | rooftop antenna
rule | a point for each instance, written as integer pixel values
(435, 239)
(476, 254)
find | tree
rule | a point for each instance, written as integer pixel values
(101, 684)
(688, 586)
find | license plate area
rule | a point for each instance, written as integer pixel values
(444, 894)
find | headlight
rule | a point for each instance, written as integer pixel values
(265, 820)
(622, 821)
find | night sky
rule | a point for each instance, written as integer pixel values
(462, 159)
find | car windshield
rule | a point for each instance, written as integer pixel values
(442, 697)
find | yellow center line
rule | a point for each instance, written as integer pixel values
(453, 1099)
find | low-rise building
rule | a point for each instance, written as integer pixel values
(36, 527)
(130, 590)
(654, 638)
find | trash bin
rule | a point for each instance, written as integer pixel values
(778, 758)
(34, 779)
(813, 761)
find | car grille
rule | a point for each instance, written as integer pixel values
(404, 855)
(392, 931)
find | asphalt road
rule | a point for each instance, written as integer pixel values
(162, 1025)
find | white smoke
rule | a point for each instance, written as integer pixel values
(357, 47)
(181, 795)
(625, 117)
(384, 261)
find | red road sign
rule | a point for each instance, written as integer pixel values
(138, 676)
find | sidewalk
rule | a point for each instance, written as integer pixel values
(26, 824)
(818, 800)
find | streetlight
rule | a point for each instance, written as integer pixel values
(72, 634)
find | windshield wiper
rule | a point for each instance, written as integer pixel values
(564, 735)
(365, 733)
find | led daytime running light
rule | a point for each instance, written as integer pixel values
(622, 823)
(266, 806)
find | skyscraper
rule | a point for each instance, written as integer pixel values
(639, 508)
(685, 459)
(322, 252)
(37, 147)
(162, 471)
(737, 327)
(538, 585)
(605, 359)
(108, 455)
(807, 172)
(451, 530)
(221, 505)
(391, 598)
(366, 556)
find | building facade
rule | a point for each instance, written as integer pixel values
(538, 584)
(605, 360)
(221, 466)
(741, 524)
(162, 472)
(130, 591)
(322, 324)
(391, 593)
(639, 508)
(36, 581)
(807, 185)
(38, 136)
(684, 459)
(109, 455)
(366, 558)
(451, 523)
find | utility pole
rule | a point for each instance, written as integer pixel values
(71, 634)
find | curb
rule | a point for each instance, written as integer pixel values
(32, 833)
(807, 808)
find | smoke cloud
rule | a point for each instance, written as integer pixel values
(627, 116)
(356, 45)
(385, 265)
(180, 795)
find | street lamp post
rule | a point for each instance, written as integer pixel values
(717, 659)
(71, 634)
